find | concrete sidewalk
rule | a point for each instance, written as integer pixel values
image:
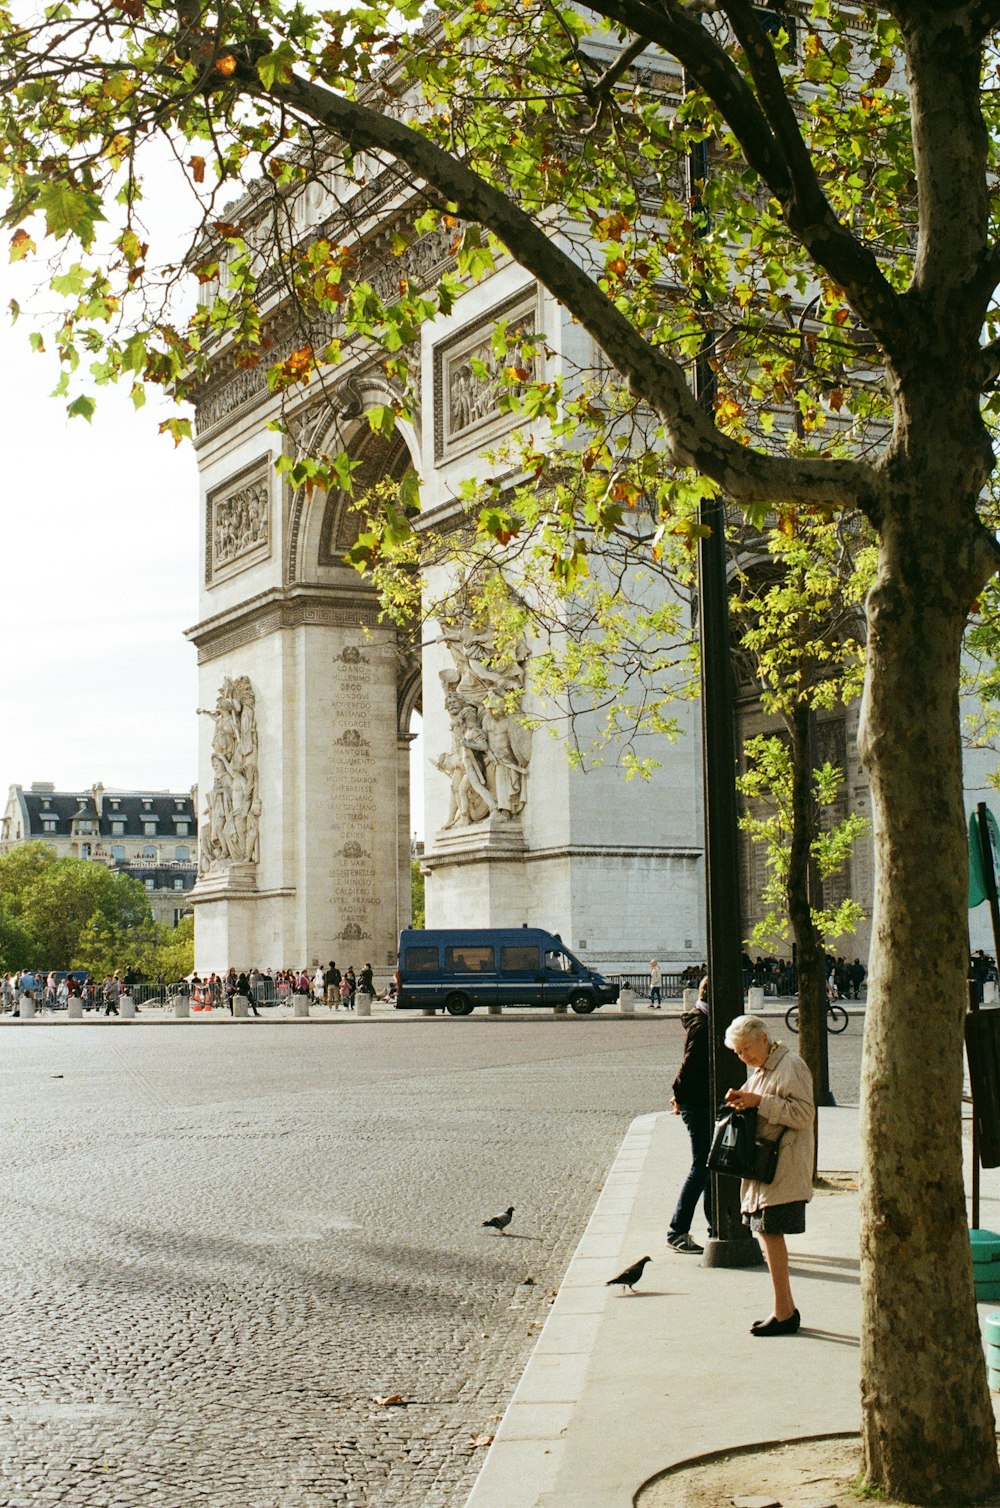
(620, 1388)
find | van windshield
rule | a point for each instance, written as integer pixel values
(557, 959)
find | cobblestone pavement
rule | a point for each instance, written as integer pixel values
(222, 1243)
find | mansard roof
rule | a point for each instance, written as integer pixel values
(133, 808)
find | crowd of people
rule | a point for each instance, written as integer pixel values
(326, 985)
(779, 976)
(55, 989)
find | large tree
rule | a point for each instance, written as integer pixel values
(850, 169)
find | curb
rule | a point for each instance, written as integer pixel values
(523, 1461)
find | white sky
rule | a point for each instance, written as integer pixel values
(98, 544)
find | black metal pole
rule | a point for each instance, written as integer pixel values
(730, 1243)
(824, 1094)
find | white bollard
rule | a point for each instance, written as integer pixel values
(626, 1001)
(690, 999)
(363, 1003)
(494, 1010)
(74, 1008)
(27, 1008)
(301, 1006)
(989, 991)
(755, 999)
(182, 1007)
(126, 1008)
(241, 1007)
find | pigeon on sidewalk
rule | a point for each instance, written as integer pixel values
(630, 1276)
(500, 1222)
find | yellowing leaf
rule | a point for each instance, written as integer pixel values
(197, 166)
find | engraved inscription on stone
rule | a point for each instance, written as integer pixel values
(239, 524)
(355, 794)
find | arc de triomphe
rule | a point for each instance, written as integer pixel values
(308, 698)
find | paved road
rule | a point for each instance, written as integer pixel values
(222, 1241)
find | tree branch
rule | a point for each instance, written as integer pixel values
(772, 144)
(745, 475)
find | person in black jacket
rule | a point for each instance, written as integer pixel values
(691, 1101)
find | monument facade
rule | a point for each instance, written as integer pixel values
(309, 693)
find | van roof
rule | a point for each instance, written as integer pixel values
(478, 934)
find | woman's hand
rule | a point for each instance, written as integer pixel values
(742, 1099)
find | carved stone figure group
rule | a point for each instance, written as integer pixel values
(239, 523)
(230, 830)
(487, 763)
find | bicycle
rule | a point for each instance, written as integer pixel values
(836, 1018)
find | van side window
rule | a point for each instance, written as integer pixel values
(559, 962)
(468, 959)
(421, 961)
(518, 959)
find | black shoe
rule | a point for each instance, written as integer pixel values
(774, 1326)
(682, 1242)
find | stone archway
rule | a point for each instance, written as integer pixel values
(329, 679)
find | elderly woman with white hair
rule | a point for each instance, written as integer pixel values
(780, 1089)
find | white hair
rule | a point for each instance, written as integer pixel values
(745, 1029)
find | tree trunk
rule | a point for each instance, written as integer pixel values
(810, 958)
(927, 1415)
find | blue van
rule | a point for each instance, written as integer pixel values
(462, 967)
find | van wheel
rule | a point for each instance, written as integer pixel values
(583, 1005)
(458, 1005)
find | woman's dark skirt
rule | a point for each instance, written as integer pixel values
(778, 1219)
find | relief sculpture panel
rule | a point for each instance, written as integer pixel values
(487, 763)
(238, 523)
(230, 827)
(468, 379)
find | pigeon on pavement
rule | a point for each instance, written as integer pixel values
(501, 1222)
(630, 1276)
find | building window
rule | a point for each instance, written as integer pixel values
(182, 853)
(182, 829)
(149, 829)
(149, 882)
(118, 853)
(49, 825)
(117, 829)
(149, 852)
(84, 826)
(84, 850)
(178, 882)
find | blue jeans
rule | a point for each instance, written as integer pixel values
(698, 1119)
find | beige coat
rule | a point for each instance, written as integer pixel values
(785, 1086)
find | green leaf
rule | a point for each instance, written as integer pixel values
(69, 211)
(82, 408)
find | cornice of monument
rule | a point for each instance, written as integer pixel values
(227, 391)
(281, 608)
(468, 849)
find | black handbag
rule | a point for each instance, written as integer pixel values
(736, 1150)
(765, 1160)
(734, 1139)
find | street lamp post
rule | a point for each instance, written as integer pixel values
(730, 1243)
